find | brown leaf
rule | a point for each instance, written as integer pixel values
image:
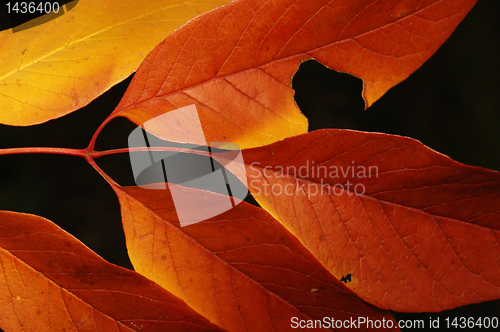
(236, 62)
(51, 281)
(241, 269)
(416, 230)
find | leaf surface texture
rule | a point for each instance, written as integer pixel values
(421, 233)
(60, 66)
(241, 269)
(50, 280)
(236, 62)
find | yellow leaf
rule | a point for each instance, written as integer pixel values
(60, 66)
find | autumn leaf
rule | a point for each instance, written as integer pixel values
(374, 215)
(240, 269)
(236, 63)
(60, 66)
(416, 230)
(51, 281)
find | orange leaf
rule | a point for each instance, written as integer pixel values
(60, 66)
(51, 281)
(236, 62)
(241, 269)
(416, 230)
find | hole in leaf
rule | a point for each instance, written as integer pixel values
(327, 98)
(346, 279)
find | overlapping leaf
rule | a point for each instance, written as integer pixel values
(51, 281)
(62, 65)
(236, 62)
(241, 269)
(416, 230)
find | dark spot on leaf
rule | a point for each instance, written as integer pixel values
(88, 280)
(346, 278)
(163, 257)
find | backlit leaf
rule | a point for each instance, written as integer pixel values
(416, 230)
(241, 269)
(236, 63)
(62, 65)
(51, 281)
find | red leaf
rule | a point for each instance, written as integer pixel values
(240, 269)
(420, 234)
(236, 62)
(51, 281)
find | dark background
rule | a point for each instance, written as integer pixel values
(451, 104)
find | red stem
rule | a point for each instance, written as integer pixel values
(91, 146)
(90, 155)
(69, 152)
(98, 154)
